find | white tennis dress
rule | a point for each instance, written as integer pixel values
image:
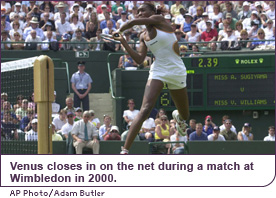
(168, 65)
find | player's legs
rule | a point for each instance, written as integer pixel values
(152, 91)
(180, 115)
(180, 99)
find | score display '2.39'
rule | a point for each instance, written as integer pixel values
(205, 62)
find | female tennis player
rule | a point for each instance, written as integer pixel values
(167, 68)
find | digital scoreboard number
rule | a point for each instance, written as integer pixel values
(195, 93)
(241, 89)
(205, 62)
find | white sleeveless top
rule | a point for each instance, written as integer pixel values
(245, 138)
(167, 64)
(193, 38)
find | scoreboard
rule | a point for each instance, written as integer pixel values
(227, 83)
(241, 89)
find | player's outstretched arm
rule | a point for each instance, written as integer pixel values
(139, 56)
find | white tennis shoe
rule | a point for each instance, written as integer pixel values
(180, 124)
(124, 151)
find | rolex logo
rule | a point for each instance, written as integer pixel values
(237, 61)
(261, 60)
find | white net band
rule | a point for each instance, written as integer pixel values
(18, 64)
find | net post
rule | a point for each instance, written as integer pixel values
(44, 96)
